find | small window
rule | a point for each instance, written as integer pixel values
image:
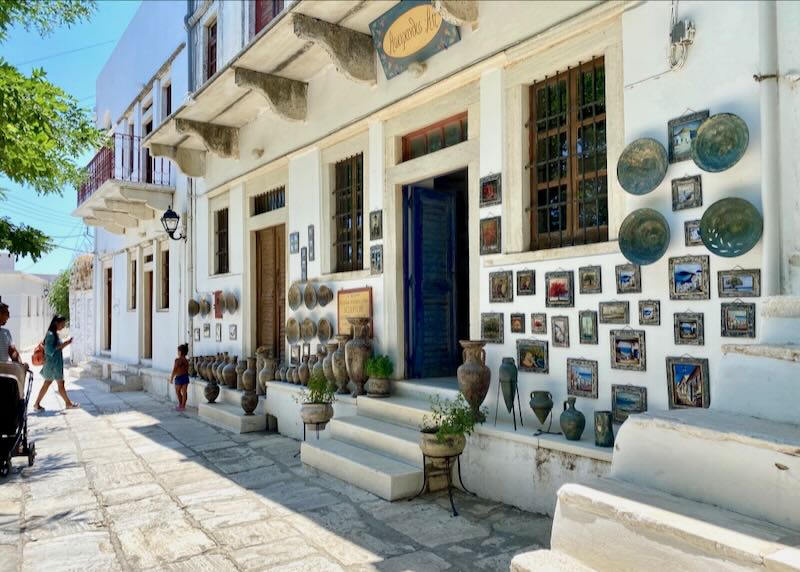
(147, 107)
(221, 241)
(211, 49)
(132, 286)
(269, 201)
(166, 98)
(265, 12)
(348, 196)
(446, 133)
(164, 271)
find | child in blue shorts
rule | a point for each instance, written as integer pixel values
(180, 376)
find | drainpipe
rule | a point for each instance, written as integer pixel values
(189, 43)
(770, 148)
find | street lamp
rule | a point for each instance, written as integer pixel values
(170, 221)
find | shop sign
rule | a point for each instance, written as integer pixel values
(412, 31)
(354, 303)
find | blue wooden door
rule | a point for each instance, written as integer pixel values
(431, 293)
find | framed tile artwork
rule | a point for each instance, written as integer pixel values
(532, 356)
(629, 278)
(304, 264)
(526, 285)
(689, 278)
(232, 332)
(206, 330)
(738, 320)
(197, 334)
(590, 280)
(587, 327)
(681, 131)
(627, 400)
(492, 327)
(294, 242)
(614, 312)
(739, 283)
(559, 326)
(649, 313)
(491, 192)
(501, 288)
(490, 235)
(517, 323)
(559, 289)
(295, 355)
(628, 350)
(311, 243)
(582, 378)
(376, 259)
(691, 233)
(687, 383)
(376, 225)
(538, 323)
(687, 193)
(688, 328)
(218, 333)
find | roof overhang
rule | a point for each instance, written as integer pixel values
(119, 205)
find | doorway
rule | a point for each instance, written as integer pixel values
(270, 310)
(436, 268)
(108, 305)
(147, 303)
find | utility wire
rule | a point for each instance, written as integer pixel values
(65, 52)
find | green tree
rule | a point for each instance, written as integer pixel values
(59, 294)
(43, 129)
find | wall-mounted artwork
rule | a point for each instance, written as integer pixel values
(490, 235)
(311, 243)
(517, 323)
(590, 280)
(649, 313)
(501, 288)
(687, 382)
(197, 334)
(681, 131)
(582, 378)
(687, 193)
(627, 400)
(295, 355)
(688, 278)
(587, 327)
(294, 242)
(689, 328)
(560, 331)
(559, 289)
(490, 190)
(532, 356)
(739, 283)
(376, 259)
(206, 330)
(738, 320)
(492, 327)
(232, 332)
(376, 225)
(306, 350)
(218, 333)
(304, 264)
(526, 285)
(629, 278)
(628, 350)
(614, 312)
(691, 233)
(538, 323)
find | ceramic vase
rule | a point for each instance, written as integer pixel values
(508, 381)
(199, 366)
(241, 367)
(356, 352)
(542, 404)
(282, 372)
(303, 372)
(604, 428)
(268, 373)
(223, 361)
(573, 422)
(212, 366)
(339, 365)
(207, 368)
(290, 374)
(229, 372)
(249, 398)
(192, 370)
(474, 377)
(211, 390)
(327, 363)
(296, 375)
(318, 365)
(261, 359)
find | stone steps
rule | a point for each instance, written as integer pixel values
(232, 417)
(407, 411)
(546, 561)
(122, 381)
(392, 440)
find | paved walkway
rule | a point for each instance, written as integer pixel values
(126, 483)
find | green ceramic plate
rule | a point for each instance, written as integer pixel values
(642, 166)
(720, 142)
(730, 227)
(644, 236)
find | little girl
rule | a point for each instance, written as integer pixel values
(180, 375)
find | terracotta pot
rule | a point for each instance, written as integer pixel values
(474, 377)
(508, 381)
(303, 372)
(212, 368)
(453, 445)
(573, 422)
(268, 372)
(327, 363)
(192, 370)
(318, 363)
(339, 365)
(211, 391)
(357, 352)
(229, 372)
(203, 367)
(296, 376)
(312, 413)
(541, 403)
(223, 361)
(378, 387)
(241, 367)
(290, 374)
(261, 356)
(249, 399)
(282, 372)
(604, 428)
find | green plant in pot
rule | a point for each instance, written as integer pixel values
(444, 431)
(318, 398)
(379, 369)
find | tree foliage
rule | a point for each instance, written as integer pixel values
(43, 15)
(59, 294)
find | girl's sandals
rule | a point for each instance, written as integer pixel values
(73, 406)
(38, 409)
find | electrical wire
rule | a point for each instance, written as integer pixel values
(64, 53)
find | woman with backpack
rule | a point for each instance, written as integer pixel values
(54, 362)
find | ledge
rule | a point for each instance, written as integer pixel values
(343, 276)
(583, 250)
(781, 352)
(524, 435)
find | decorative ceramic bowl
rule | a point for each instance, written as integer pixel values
(308, 330)
(642, 166)
(220, 301)
(644, 236)
(721, 141)
(231, 302)
(324, 330)
(205, 307)
(194, 308)
(292, 331)
(310, 296)
(324, 296)
(295, 296)
(730, 227)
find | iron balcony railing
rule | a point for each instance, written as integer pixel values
(124, 159)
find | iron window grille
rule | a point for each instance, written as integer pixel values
(211, 49)
(348, 196)
(445, 133)
(132, 301)
(269, 201)
(165, 279)
(221, 241)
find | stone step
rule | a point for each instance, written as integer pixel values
(732, 452)
(122, 381)
(231, 417)
(613, 525)
(424, 390)
(406, 411)
(394, 440)
(383, 476)
(546, 561)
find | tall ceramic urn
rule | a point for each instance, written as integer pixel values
(249, 398)
(327, 363)
(357, 351)
(473, 376)
(339, 365)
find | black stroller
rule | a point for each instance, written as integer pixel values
(14, 422)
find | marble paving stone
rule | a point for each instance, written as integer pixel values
(157, 543)
(191, 475)
(54, 488)
(261, 477)
(228, 513)
(213, 495)
(207, 445)
(243, 464)
(73, 522)
(235, 537)
(9, 556)
(140, 512)
(132, 493)
(312, 564)
(86, 551)
(297, 496)
(422, 560)
(265, 556)
(201, 563)
(62, 504)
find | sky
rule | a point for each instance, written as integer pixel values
(72, 58)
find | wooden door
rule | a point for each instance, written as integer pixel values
(271, 289)
(109, 303)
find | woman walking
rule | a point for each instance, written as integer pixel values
(54, 362)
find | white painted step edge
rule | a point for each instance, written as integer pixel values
(547, 561)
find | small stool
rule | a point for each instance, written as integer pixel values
(429, 471)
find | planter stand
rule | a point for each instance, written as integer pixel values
(429, 471)
(549, 426)
(316, 429)
(513, 412)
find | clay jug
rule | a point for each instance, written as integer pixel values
(241, 367)
(223, 361)
(318, 365)
(604, 428)
(339, 365)
(192, 370)
(303, 371)
(268, 373)
(290, 374)
(573, 422)
(327, 363)
(229, 372)
(249, 399)
(541, 403)
(261, 357)
(357, 351)
(474, 377)
(282, 372)
(212, 367)
(508, 381)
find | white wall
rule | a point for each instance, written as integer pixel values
(21, 292)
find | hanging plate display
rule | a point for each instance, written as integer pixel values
(308, 330)
(295, 296)
(730, 227)
(721, 141)
(324, 296)
(310, 296)
(194, 308)
(231, 302)
(205, 307)
(644, 236)
(292, 331)
(642, 166)
(324, 330)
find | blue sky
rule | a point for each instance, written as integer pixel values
(76, 73)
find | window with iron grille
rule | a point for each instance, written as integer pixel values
(132, 286)
(569, 187)
(348, 197)
(450, 131)
(221, 241)
(164, 279)
(167, 99)
(269, 201)
(211, 49)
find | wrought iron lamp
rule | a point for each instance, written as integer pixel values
(170, 220)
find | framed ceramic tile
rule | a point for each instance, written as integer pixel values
(526, 285)
(311, 243)
(649, 313)
(559, 326)
(303, 264)
(627, 400)
(687, 383)
(691, 233)
(739, 283)
(376, 225)
(538, 323)
(629, 278)
(232, 332)
(206, 330)
(306, 350)
(532, 356)
(197, 334)
(218, 333)
(491, 192)
(628, 350)
(490, 235)
(681, 131)
(582, 378)
(294, 242)
(295, 355)
(587, 327)
(689, 329)
(501, 288)
(517, 323)
(738, 320)
(590, 280)
(492, 327)
(376, 258)
(688, 278)
(687, 193)
(614, 312)
(559, 289)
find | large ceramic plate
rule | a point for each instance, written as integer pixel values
(194, 308)
(730, 227)
(310, 296)
(721, 141)
(292, 331)
(308, 330)
(324, 330)
(205, 307)
(324, 296)
(642, 166)
(644, 236)
(231, 302)
(295, 296)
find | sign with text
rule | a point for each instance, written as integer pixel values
(355, 303)
(412, 31)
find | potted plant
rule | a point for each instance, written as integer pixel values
(444, 431)
(317, 405)
(379, 369)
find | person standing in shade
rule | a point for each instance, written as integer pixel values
(10, 361)
(53, 368)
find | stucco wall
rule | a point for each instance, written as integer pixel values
(20, 290)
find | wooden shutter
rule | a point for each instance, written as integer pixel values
(271, 288)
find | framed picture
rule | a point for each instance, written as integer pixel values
(294, 242)
(500, 287)
(629, 278)
(218, 333)
(587, 327)
(560, 329)
(582, 378)
(688, 278)
(559, 290)
(206, 330)
(526, 285)
(628, 350)
(490, 190)
(691, 233)
(538, 323)
(304, 264)
(376, 259)
(196, 334)
(306, 350)
(614, 312)
(492, 327)
(687, 193)
(232, 332)
(311, 243)
(295, 356)
(517, 323)
(376, 225)
(739, 283)
(738, 320)
(532, 356)
(689, 329)
(681, 131)
(590, 280)
(627, 400)
(649, 313)
(687, 383)
(490, 235)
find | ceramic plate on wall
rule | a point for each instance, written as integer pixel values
(642, 166)
(324, 330)
(295, 296)
(310, 296)
(292, 331)
(231, 302)
(308, 330)
(194, 308)
(644, 236)
(205, 307)
(721, 141)
(730, 227)
(324, 296)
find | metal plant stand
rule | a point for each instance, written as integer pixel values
(430, 471)
(513, 412)
(549, 426)
(316, 429)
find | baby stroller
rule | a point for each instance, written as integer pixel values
(14, 421)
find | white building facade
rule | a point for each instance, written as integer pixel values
(27, 298)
